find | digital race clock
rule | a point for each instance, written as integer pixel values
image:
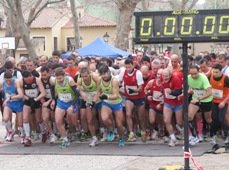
(182, 26)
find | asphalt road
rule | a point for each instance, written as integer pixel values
(107, 156)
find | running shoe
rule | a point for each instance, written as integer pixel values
(131, 137)
(180, 137)
(193, 141)
(201, 138)
(74, 136)
(10, 136)
(83, 137)
(213, 140)
(52, 138)
(172, 143)
(65, 143)
(166, 139)
(27, 142)
(154, 135)
(7, 133)
(94, 142)
(110, 136)
(34, 135)
(226, 141)
(22, 137)
(121, 142)
(104, 138)
(143, 136)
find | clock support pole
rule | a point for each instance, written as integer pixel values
(185, 107)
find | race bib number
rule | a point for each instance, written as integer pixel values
(217, 93)
(31, 93)
(48, 94)
(130, 93)
(67, 97)
(157, 96)
(169, 96)
(198, 93)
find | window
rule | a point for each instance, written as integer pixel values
(39, 42)
(24, 55)
(55, 40)
(71, 44)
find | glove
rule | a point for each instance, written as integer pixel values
(90, 104)
(103, 97)
(131, 91)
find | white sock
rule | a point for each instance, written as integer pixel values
(173, 137)
(27, 129)
(94, 137)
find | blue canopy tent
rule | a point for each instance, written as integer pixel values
(66, 55)
(100, 48)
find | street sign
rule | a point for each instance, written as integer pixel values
(182, 26)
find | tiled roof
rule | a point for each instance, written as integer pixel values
(49, 17)
(90, 21)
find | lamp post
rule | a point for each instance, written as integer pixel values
(106, 37)
(81, 41)
(1, 21)
(132, 41)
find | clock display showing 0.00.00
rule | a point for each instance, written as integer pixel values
(181, 26)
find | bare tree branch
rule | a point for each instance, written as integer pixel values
(32, 11)
(27, 5)
(193, 4)
(4, 4)
(32, 18)
(184, 4)
(11, 5)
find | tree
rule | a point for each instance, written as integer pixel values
(75, 23)
(216, 4)
(11, 30)
(20, 22)
(126, 10)
(182, 4)
(145, 5)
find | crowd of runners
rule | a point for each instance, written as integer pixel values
(121, 99)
